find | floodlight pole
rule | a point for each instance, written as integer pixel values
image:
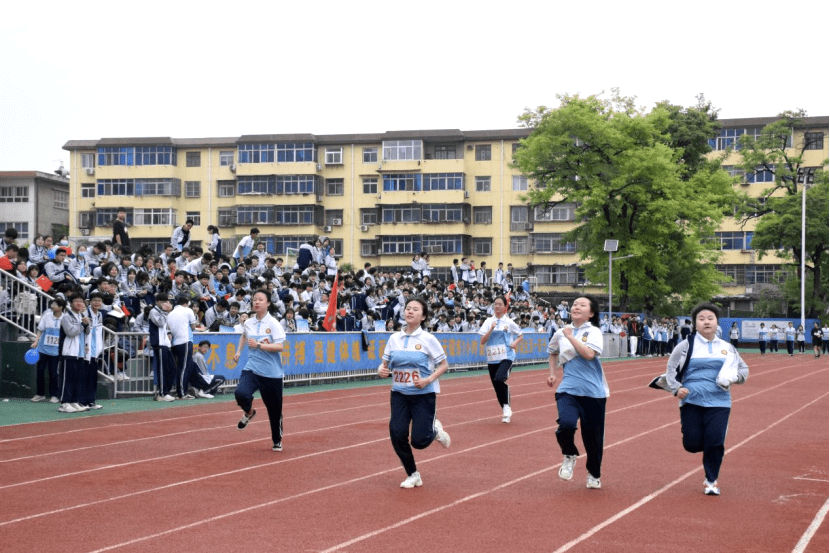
(804, 179)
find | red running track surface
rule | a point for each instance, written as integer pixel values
(185, 479)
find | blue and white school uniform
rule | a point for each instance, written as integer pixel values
(94, 357)
(500, 356)
(789, 336)
(73, 347)
(411, 357)
(264, 372)
(164, 365)
(762, 340)
(49, 329)
(704, 412)
(581, 395)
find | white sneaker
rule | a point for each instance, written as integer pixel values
(79, 408)
(593, 483)
(53, 399)
(566, 471)
(506, 413)
(119, 376)
(203, 394)
(96, 406)
(66, 408)
(442, 437)
(37, 399)
(168, 397)
(710, 488)
(412, 481)
(124, 376)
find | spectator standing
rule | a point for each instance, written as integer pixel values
(119, 229)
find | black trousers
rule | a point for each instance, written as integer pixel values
(590, 412)
(419, 410)
(499, 373)
(704, 429)
(271, 391)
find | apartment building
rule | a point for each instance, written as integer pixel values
(34, 203)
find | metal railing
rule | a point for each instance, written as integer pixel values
(21, 304)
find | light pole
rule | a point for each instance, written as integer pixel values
(805, 178)
(610, 246)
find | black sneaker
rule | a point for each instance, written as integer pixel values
(277, 447)
(243, 422)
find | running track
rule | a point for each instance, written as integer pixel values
(184, 479)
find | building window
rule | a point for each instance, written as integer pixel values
(519, 245)
(21, 228)
(87, 190)
(444, 151)
(225, 158)
(441, 244)
(735, 172)
(443, 181)
(294, 215)
(402, 150)
(158, 187)
(765, 274)
(402, 182)
(407, 244)
(762, 174)
(226, 217)
(368, 216)
(155, 155)
(192, 189)
(296, 184)
(106, 215)
(14, 194)
(116, 187)
(368, 248)
(61, 199)
(370, 155)
(483, 215)
(195, 216)
(334, 187)
(560, 212)
(483, 152)
(739, 240)
(154, 216)
(482, 184)
(227, 188)
(552, 243)
(442, 213)
(813, 140)
(334, 156)
(256, 153)
(401, 214)
(193, 159)
(255, 214)
(518, 215)
(334, 217)
(482, 246)
(370, 185)
(519, 183)
(257, 184)
(295, 152)
(558, 274)
(514, 149)
(88, 161)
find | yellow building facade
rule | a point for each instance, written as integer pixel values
(380, 198)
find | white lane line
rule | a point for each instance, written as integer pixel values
(811, 530)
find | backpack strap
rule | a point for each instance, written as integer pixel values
(682, 372)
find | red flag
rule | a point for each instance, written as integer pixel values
(328, 322)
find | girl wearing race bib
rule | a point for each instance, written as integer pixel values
(500, 335)
(582, 395)
(46, 343)
(415, 360)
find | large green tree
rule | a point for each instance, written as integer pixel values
(640, 178)
(778, 208)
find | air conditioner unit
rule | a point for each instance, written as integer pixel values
(364, 228)
(434, 249)
(337, 222)
(84, 232)
(90, 171)
(232, 168)
(327, 228)
(466, 220)
(466, 193)
(319, 197)
(319, 167)
(528, 226)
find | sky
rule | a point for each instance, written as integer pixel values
(91, 70)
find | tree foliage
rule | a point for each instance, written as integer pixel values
(638, 177)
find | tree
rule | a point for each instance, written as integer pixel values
(634, 181)
(779, 231)
(778, 208)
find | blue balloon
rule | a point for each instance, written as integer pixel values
(51, 254)
(32, 356)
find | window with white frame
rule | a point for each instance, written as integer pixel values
(227, 188)
(762, 174)
(368, 248)
(21, 228)
(334, 187)
(370, 185)
(557, 274)
(106, 215)
(369, 216)
(519, 183)
(61, 199)
(192, 189)
(87, 190)
(444, 151)
(370, 155)
(154, 216)
(518, 214)
(88, 161)
(402, 150)
(193, 159)
(482, 246)
(483, 215)
(483, 152)
(482, 184)
(226, 217)
(334, 156)
(334, 217)
(401, 214)
(519, 245)
(559, 212)
(195, 216)
(402, 244)
(552, 243)
(14, 194)
(158, 187)
(813, 140)
(226, 158)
